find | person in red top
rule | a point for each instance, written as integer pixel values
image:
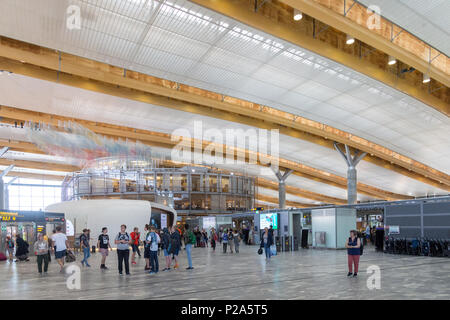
(135, 237)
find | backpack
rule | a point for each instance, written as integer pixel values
(192, 238)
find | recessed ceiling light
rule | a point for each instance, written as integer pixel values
(392, 61)
(297, 15)
(426, 78)
(350, 39)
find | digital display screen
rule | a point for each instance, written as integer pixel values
(267, 220)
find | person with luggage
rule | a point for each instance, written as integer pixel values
(135, 237)
(165, 246)
(225, 240)
(103, 245)
(353, 245)
(266, 242)
(153, 241)
(9, 247)
(189, 240)
(175, 245)
(60, 245)
(123, 242)
(84, 243)
(41, 252)
(236, 239)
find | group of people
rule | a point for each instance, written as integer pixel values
(168, 241)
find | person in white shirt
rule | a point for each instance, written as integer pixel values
(60, 245)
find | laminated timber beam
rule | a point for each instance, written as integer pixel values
(38, 176)
(413, 52)
(165, 141)
(82, 73)
(39, 165)
(272, 23)
(274, 200)
(299, 192)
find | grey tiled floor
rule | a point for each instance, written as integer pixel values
(304, 274)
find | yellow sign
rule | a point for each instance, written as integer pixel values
(2, 213)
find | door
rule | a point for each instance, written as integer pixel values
(297, 228)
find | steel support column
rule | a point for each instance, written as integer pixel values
(2, 184)
(351, 161)
(282, 186)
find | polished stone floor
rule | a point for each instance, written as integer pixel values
(304, 274)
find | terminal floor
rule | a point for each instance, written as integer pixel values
(304, 274)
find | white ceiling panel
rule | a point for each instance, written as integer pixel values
(427, 20)
(43, 96)
(181, 41)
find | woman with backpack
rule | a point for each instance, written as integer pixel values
(165, 246)
(353, 245)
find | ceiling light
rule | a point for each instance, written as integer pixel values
(392, 61)
(350, 39)
(297, 15)
(426, 78)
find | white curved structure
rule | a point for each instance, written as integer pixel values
(111, 213)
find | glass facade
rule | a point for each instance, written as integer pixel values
(187, 190)
(32, 195)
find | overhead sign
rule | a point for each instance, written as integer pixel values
(394, 229)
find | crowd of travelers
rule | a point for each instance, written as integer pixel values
(168, 242)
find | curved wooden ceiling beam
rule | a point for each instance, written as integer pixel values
(164, 140)
(42, 63)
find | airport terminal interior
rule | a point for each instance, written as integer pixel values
(224, 149)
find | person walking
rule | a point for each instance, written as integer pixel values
(123, 242)
(225, 241)
(213, 239)
(152, 241)
(135, 239)
(353, 245)
(266, 242)
(230, 240)
(84, 242)
(236, 239)
(60, 245)
(9, 247)
(41, 252)
(103, 244)
(175, 245)
(189, 240)
(205, 237)
(165, 246)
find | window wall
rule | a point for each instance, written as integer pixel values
(32, 194)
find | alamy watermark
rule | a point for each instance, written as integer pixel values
(374, 279)
(73, 281)
(226, 146)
